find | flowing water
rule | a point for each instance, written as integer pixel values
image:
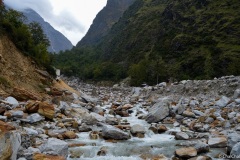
(132, 149)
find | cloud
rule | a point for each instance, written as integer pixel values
(64, 20)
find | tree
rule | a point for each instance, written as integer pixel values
(38, 35)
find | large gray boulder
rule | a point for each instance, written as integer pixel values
(9, 145)
(158, 111)
(12, 101)
(232, 139)
(55, 146)
(217, 142)
(33, 118)
(223, 101)
(236, 94)
(110, 132)
(236, 151)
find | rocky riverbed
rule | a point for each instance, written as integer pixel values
(183, 120)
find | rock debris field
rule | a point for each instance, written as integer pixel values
(190, 119)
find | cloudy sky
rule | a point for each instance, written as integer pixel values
(71, 17)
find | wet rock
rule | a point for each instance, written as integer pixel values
(84, 128)
(55, 146)
(111, 120)
(201, 158)
(217, 142)
(102, 152)
(181, 136)
(137, 130)
(187, 152)
(69, 135)
(161, 129)
(94, 135)
(110, 132)
(92, 118)
(158, 111)
(40, 156)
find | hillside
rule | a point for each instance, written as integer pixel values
(19, 72)
(160, 40)
(58, 42)
(104, 20)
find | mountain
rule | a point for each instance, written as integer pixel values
(161, 40)
(58, 42)
(104, 20)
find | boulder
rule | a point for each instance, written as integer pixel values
(202, 147)
(39, 156)
(236, 151)
(69, 135)
(223, 101)
(232, 139)
(87, 98)
(55, 146)
(33, 118)
(158, 111)
(181, 136)
(46, 110)
(12, 101)
(137, 129)
(189, 114)
(110, 132)
(30, 131)
(161, 128)
(10, 141)
(32, 106)
(236, 94)
(92, 118)
(187, 152)
(217, 142)
(201, 158)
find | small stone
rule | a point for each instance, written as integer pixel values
(187, 152)
(69, 135)
(162, 128)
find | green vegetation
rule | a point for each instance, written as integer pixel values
(157, 40)
(30, 39)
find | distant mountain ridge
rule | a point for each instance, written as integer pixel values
(104, 20)
(58, 42)
(163, 40)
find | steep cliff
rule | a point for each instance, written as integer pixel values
(58, 42)
(104, 20)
